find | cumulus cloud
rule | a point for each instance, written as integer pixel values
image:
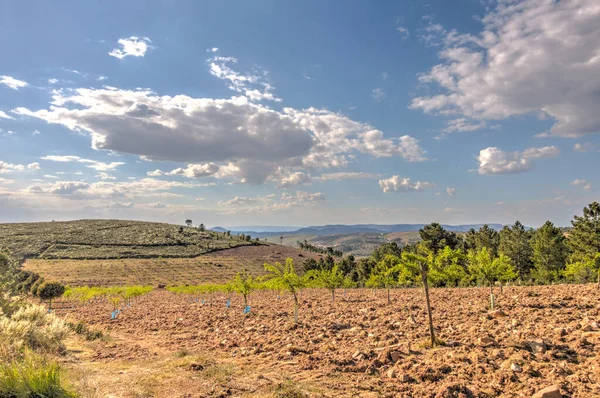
(133, 46)
(404, 33)
(13, 83)
(582, 183)
(531, 57)
(451, 191)
(33, 166)
(155, 173)
(297, 178)
(92, 164)
(52, 81)
(196, 170)
(302, 197)
(9, 167)
(5, 116)
(120, 205)
(245, 140)
(397, 184)
(493, 160)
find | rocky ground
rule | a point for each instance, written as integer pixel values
(539, 337)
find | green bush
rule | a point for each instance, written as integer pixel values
(50, 291)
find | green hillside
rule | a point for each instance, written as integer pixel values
(111, 239)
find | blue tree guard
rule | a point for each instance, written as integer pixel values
(113, 315)
(228, 303)
(202, 301)
(247, 309)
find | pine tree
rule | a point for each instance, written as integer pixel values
(434, 237)
(584, 238)
(514, 243)
(549, 253)
(488, 238)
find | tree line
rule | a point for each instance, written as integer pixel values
(305, 245)
(541, 256)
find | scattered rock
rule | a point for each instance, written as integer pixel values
(395, 356)
(498, 314)
(548, 392)
(391, 373)
(516, 368)
(486, 341)
(411, 319)
(537, 346)
(404, 378)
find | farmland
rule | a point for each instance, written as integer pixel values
(217, 267)
(169, 345)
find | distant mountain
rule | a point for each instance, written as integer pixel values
(340, 229)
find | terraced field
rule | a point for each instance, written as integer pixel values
(217, 267)
(111, 239)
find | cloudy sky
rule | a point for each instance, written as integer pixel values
(300, 113)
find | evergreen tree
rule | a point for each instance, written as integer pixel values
(584, 238)
(549, 253)
(514, 243)
(383, 250)
(434, 237)
(470, 240)
(488, 238)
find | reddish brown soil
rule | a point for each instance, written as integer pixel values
(342, 349)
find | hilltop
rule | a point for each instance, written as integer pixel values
(112, 239)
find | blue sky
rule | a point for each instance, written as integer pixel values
(299, 113)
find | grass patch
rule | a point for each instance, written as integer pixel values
(425, 344)
(33, 377)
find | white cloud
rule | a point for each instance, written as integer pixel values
(451, 191)
(345, 176)
(155, 173)
(377, 94)
(92, 164)
(238, 200)
(9, 167)
(51, 176)
(52, 81)
(5, 116)
(200, 199)
(202, 130)
(493, 160)
(196, 170)
(404, 33)
(212, 50)
(302, 197)
(254, 86)
(100, 78)
(33, 166)
(397, 184)
(297, 178)
(532, 56)
(582, 183)
(12, 82)
(384, 75)
(36, 132)
(158, 205)
(105, 176)
(133, 46)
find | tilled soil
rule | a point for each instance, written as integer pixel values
(362, 346)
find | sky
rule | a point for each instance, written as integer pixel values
(278, 112)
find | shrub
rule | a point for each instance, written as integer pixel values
(32, 327)
(50, 291)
